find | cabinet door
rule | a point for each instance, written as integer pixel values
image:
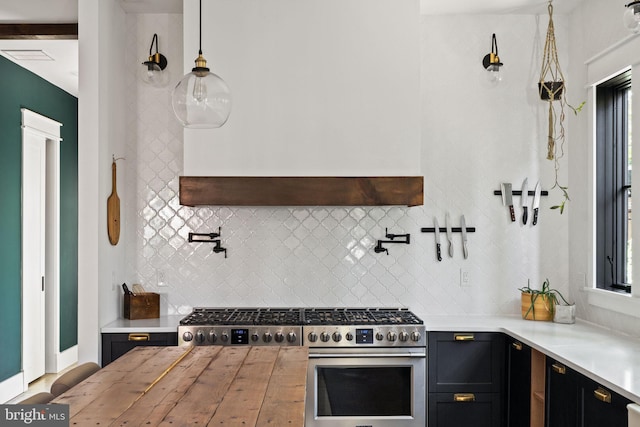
(561, 396)
(115, 345)
(602, 407)
(464, 409)
(469, 362)
(518, 384)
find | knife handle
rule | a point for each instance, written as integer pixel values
(513, 213)
(534, 221)
(438, 252)
(465, 251)
(525, 214)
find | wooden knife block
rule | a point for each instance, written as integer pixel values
(142, 306)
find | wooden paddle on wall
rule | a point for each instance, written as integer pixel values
(113, 209)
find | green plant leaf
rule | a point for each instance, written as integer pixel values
(577, 109)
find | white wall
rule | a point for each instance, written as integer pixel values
(473, 138)
(322, 87)
(101, 127)
(595, 27)
(476, 136)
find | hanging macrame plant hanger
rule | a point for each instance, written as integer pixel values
(551, 83)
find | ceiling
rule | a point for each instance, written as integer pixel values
(498, 7)
(62, 68)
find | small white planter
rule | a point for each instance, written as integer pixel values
(565, 313)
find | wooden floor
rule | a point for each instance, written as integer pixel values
(41, 384)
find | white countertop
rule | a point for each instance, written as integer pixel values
(161, 324)
(611, 359)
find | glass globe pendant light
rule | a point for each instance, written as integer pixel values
(631, 17)
(201, 99)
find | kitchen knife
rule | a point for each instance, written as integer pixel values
(525, 200)
(536, 204)
(463, 226)
(437, 231)
(507, 199)
(447, 223)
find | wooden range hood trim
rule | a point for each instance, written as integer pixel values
(301, 191)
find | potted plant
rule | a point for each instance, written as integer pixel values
(540, 304)
(550, 90)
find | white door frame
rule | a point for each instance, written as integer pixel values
(49, 130)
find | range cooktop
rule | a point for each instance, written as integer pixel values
(300, 316)
(313, 327)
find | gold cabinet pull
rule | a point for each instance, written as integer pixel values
(464, 397)
(559, 369)
(464, 337)
(602, 395)
(139, 337)
(516, 345)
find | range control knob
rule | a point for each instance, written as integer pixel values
(337, 337)
(313, 337)
(224, 337)
(324, 337)
(255, 337)
(187, 336)
(379, 336)
(213, 337)
(391, 336)
(267, 337)
(199, 337)
(415, 336)
(291, 337)
(404, 336)
(349, 336)
(279, 337)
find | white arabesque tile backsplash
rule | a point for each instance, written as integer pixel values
(323, 256)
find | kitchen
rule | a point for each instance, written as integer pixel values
(471, 139)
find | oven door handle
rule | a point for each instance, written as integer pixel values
(365, 355)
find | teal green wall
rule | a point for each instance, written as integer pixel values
(20, 88)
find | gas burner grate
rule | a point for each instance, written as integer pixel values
(243, 316)
(357, 316)
(300, 316)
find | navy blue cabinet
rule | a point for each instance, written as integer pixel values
(573, 400)
(115, 345)
(518, 390)
(466, 379)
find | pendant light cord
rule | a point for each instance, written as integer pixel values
(153, 40)
(200, 49)
(494, 43)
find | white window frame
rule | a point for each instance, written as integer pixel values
(615, 60)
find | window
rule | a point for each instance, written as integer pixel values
(613, 184)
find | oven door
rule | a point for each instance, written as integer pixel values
(381, 387)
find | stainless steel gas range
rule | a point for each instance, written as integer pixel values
(367, 366)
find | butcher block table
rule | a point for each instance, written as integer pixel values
(194, 386)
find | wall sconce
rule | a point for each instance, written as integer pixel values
(152, 72)
(631, 17)
(201, 99)
(491, 62)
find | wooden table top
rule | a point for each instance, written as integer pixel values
(187, 386)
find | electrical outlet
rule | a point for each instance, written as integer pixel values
(161, 278)
(464, 278)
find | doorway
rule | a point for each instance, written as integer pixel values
(40, 244)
